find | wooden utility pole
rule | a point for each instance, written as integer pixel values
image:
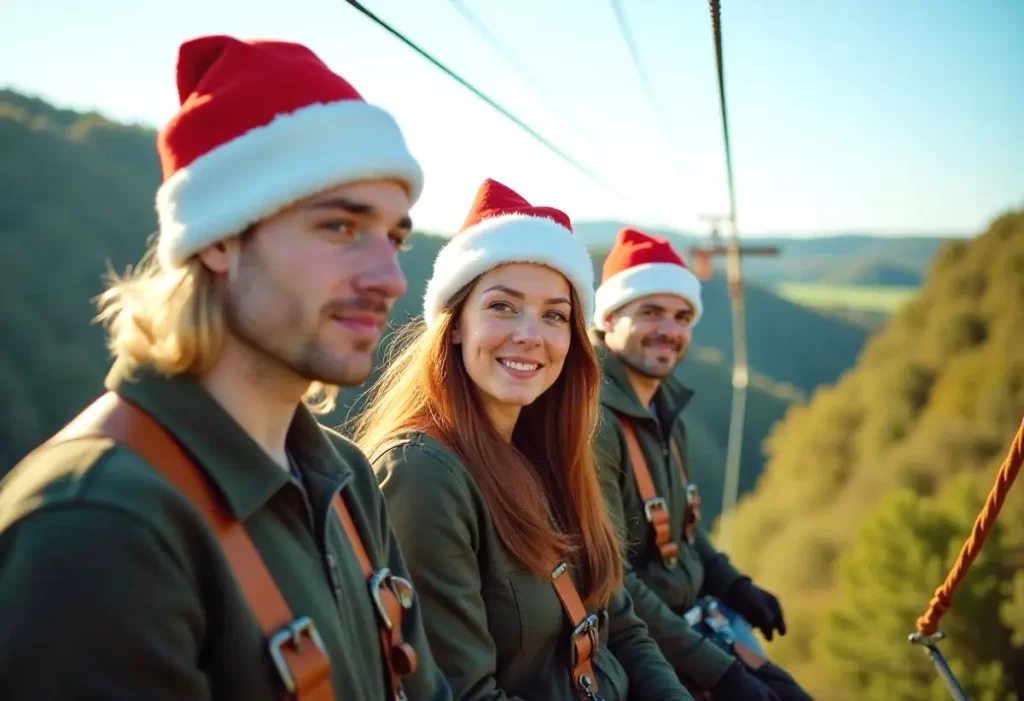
(702, 257)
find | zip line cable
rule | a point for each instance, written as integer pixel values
(491, 38)
(740, 370)
(645, 83)
(552, 103)
(585, 170)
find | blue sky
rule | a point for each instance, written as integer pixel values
(846, 116)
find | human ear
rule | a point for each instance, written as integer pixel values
(218, 258)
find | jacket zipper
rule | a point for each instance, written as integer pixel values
(335, 577)
(331, 562)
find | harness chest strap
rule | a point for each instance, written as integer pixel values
(391, 595)
(655, 508)
(585, 634)
(294, 643)
(692, 497)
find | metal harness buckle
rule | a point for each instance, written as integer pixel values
(292, 634)
(399, 586)
(651, 504)
(590, 626)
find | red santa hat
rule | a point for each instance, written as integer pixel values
(502, 227)
(640, 265)
(263, 124)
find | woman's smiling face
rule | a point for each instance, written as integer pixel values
(514, 331)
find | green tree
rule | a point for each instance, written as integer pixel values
(899, 554)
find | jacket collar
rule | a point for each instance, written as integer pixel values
(618, 394)
(240, 469)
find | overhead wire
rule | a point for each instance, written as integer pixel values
(525, 73)
(674, 157)
(544, 141)
(497, 44)
(716, 29)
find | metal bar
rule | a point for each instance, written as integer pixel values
(740, 381)
(941, 666)
(740, 371)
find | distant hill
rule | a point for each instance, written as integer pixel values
(814, 260)
(76, 193)
(868, 272)
(818, 259)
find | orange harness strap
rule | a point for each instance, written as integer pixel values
(692, 498)
(294, 643)
(391, 596)
(655, 508)
(585, 634)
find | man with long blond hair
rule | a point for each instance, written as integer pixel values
(195, 533)
(645, 309)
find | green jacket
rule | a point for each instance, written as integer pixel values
(112, 586)
(660, 595)
(498, 631)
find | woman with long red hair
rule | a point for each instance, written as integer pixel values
(480, 431)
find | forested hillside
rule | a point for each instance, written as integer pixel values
(871, 488)
(76, 193)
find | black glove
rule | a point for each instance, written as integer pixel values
(781, 683)
(760, 608)
(738, 684)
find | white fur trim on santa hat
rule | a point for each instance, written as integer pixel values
(513, 238)
(648, 279)
(270, 167)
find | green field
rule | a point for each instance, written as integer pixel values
(884, 299)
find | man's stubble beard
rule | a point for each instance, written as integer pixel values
(639, 369)
(311, 363)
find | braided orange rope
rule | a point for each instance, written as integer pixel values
(941, 601)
